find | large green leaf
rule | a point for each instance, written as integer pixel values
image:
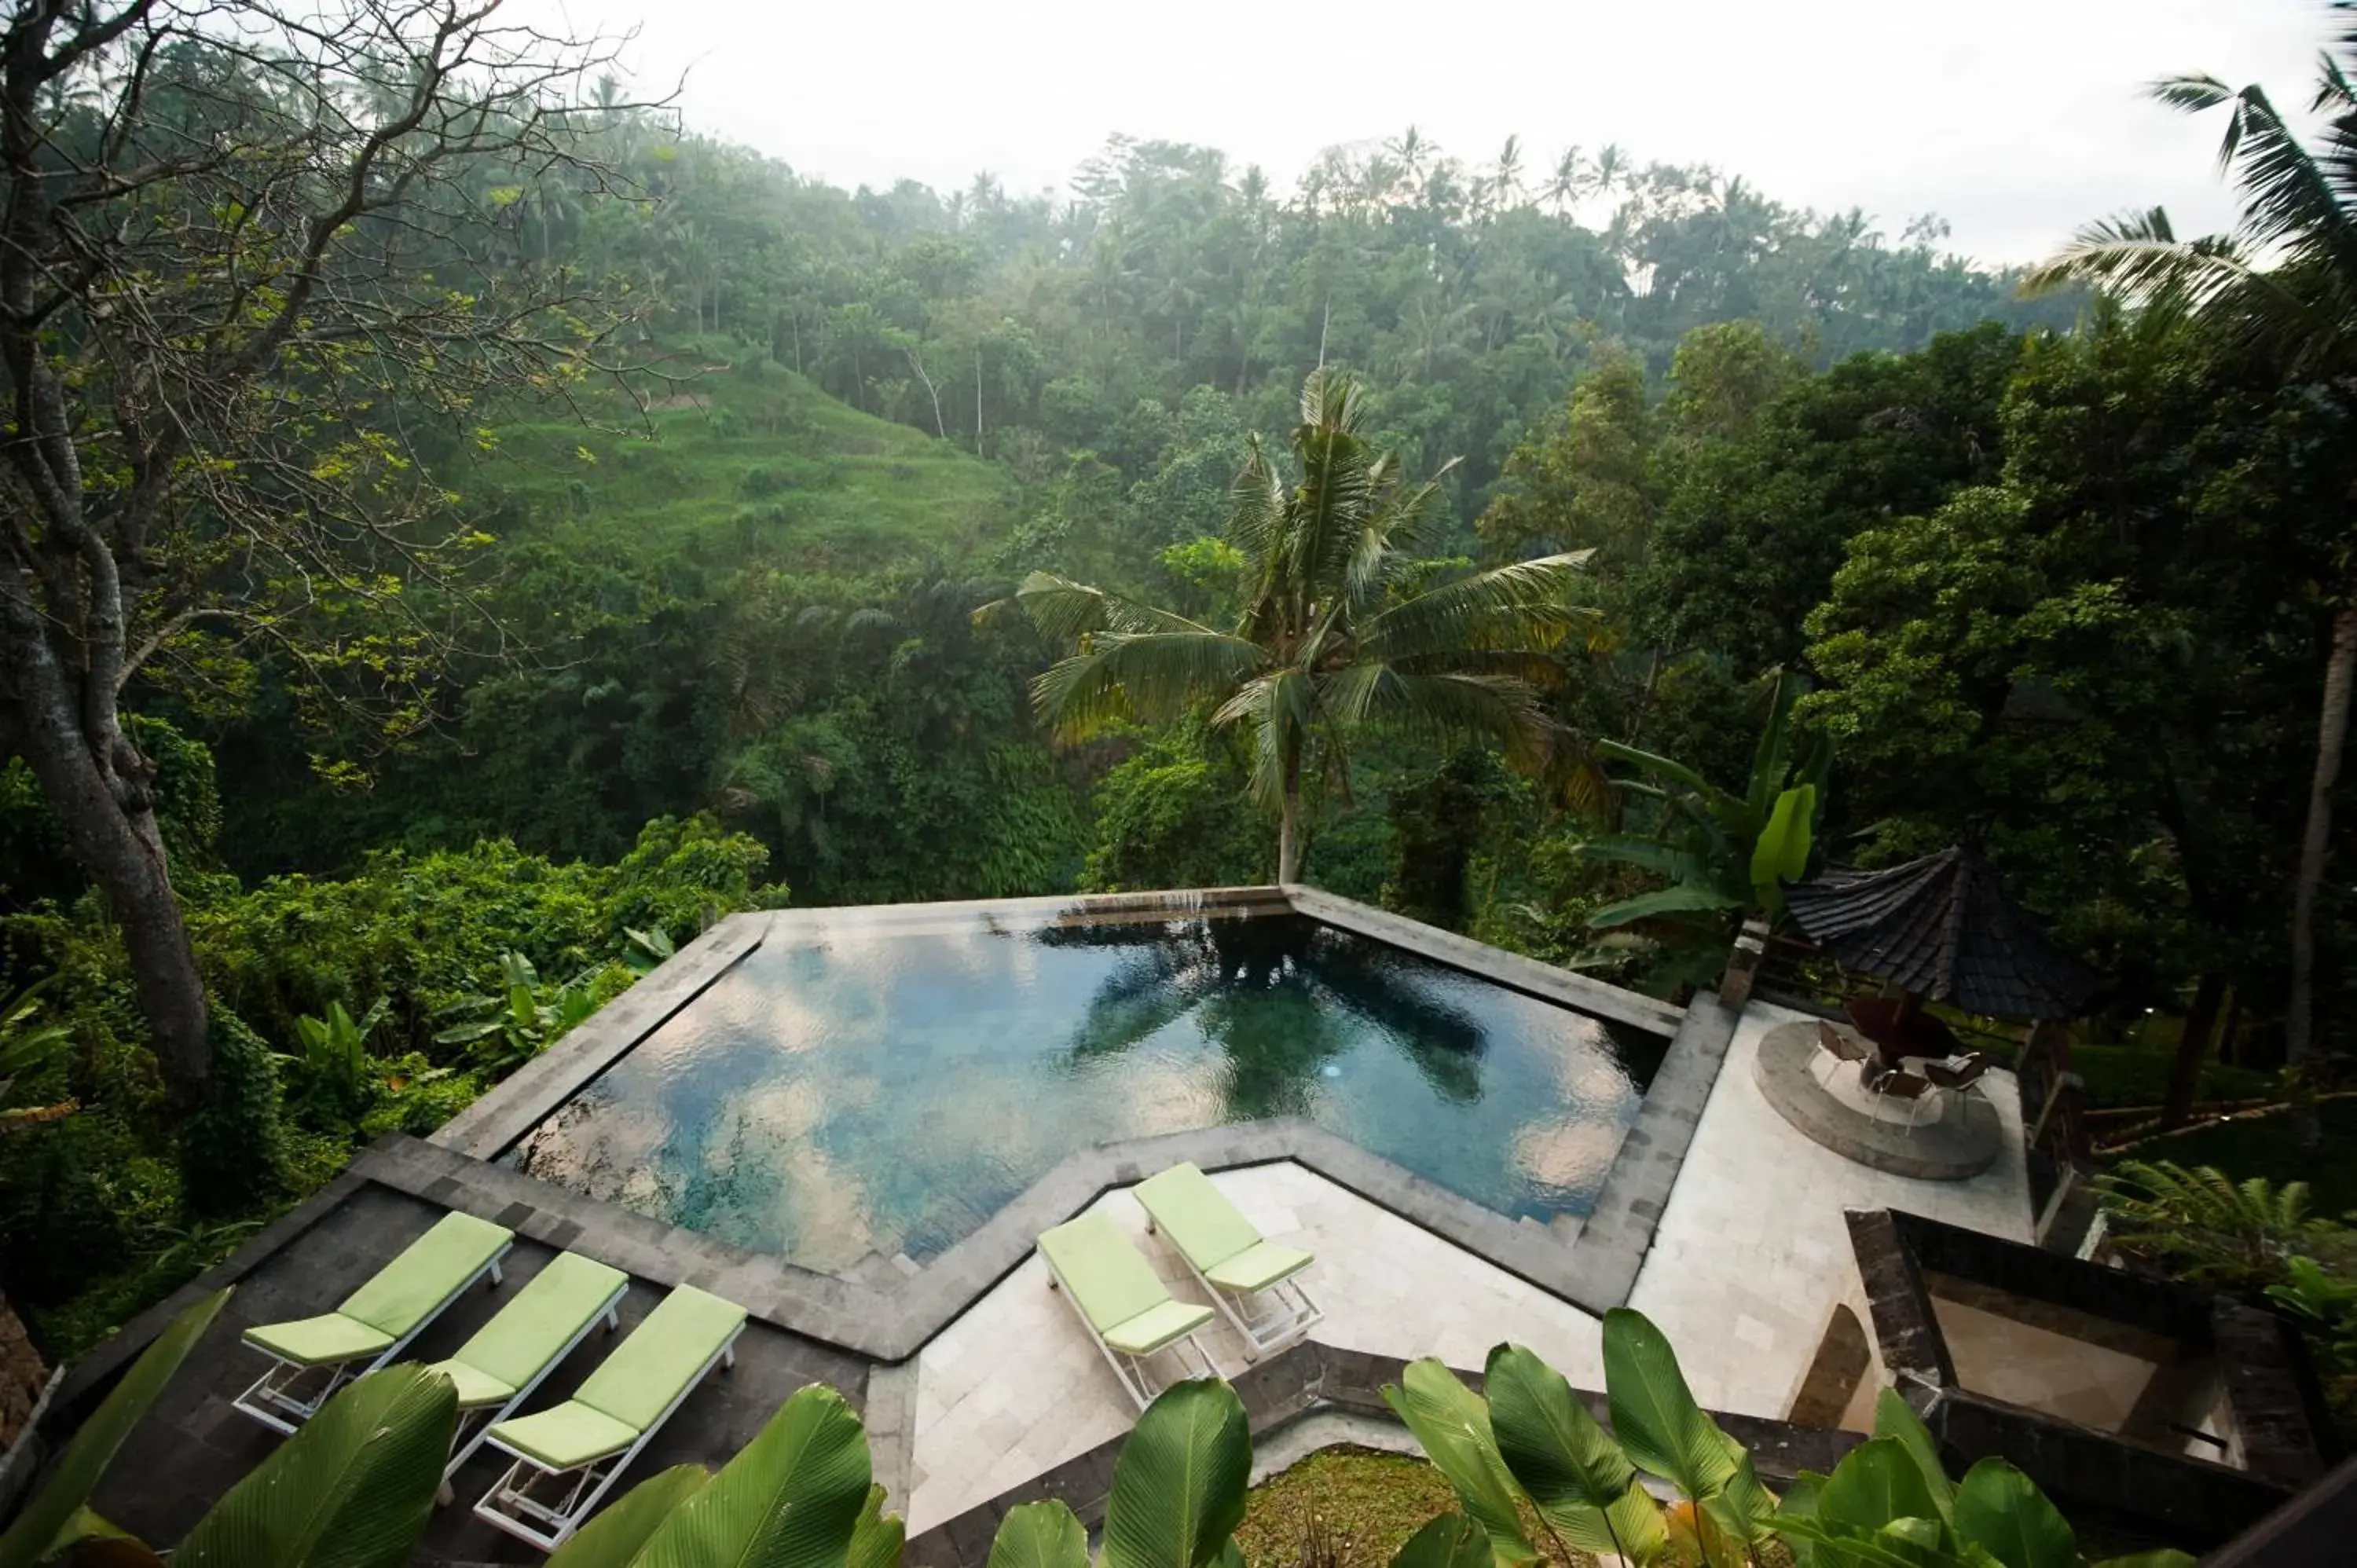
(2163, 1557)
(1667, 901)
(1874, 1483)
(1657, 765)
(877, 1536)
(353, 1487)
(1450, 1540)
(1895, 1419)
(86, 1456)
(791, 1499)
(1453, 1424)
(1772, 758)
(2001, 1510)
(1781, 854)
(1567, 1463)
(620, 1531)
(1654, 1413)
(1647, 854)
(1039, 1535)
(1179, 1485)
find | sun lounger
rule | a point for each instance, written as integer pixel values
(508, 1356)
(375, 1323)
(1127, 1310)
(1251, 1279)
(580, 1447)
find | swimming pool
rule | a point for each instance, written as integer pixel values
(884, 1085)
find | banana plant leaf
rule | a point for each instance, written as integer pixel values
(353, 1487)
(1450, 1540)
(791, 1499)
(1895, 1419)
(1573, 1473)
(2001, 1510)
(619, 1532)
(1179, 1485)
(877, 1536)
(1654, 1413)
(1452, 1424)
(1781, 854)
(38, 1527)
(1663, 901)
(1039, 1535)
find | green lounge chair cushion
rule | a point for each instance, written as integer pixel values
(1108, 1278)
(662, 1358)
(319, 1341)
(1257, 1267)
(564, 1438)
(430, 1270)
(1155, 1326)
(1196, 1215)
(531, 1331)
(475, 1388)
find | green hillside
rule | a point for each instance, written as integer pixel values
(750, 461)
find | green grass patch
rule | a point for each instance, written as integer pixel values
(746, 463)
(1367, 1502)
(2264, 1147)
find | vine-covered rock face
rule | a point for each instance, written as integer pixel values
(233, 1151)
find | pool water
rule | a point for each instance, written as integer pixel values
(885, 1087)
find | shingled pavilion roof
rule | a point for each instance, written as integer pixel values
(1941, 927)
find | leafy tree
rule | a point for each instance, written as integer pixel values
(1323, 642)
(219, 258)
(2284, 284)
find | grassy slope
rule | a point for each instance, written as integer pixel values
(844, 492)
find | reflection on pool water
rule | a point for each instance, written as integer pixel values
(884, 1087)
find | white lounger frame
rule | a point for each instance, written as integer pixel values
(475, 1424)
(550, 1525)
(1129, 1369)
(1295, 1311)
(270, 1398)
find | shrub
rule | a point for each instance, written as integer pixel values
(232, 1150)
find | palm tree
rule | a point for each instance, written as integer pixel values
(1332, 632)
(2284, 284)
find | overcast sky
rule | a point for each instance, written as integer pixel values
(2016, 119)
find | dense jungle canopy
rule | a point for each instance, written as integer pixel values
(455, 512)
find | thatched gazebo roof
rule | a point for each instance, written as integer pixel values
(1943, 928)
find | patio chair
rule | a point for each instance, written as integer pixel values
(581, 1447)
(1120, 1300)
(374, 1324)
(1842, 1049)
(1957, 1079)
(1911, 1087)
(498, 1369)
(1231, 1259)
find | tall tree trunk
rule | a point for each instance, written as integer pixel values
(98, 785)
(2193, 1050)
(2332, 740)
(1288, 840)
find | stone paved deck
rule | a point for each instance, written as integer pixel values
(1752, 1252)
(1016, 1386)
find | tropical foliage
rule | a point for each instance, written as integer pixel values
(356, 1484)
(1337, 627)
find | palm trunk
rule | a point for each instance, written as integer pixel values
(2332, 740)
(1288, 840)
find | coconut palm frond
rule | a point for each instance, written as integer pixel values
(1154, 676)
(1506, 606)
(2138, 257)
(2288, 197)
(1064, 610)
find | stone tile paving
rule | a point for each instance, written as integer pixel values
(1752, 1252)
(1017, 1386)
